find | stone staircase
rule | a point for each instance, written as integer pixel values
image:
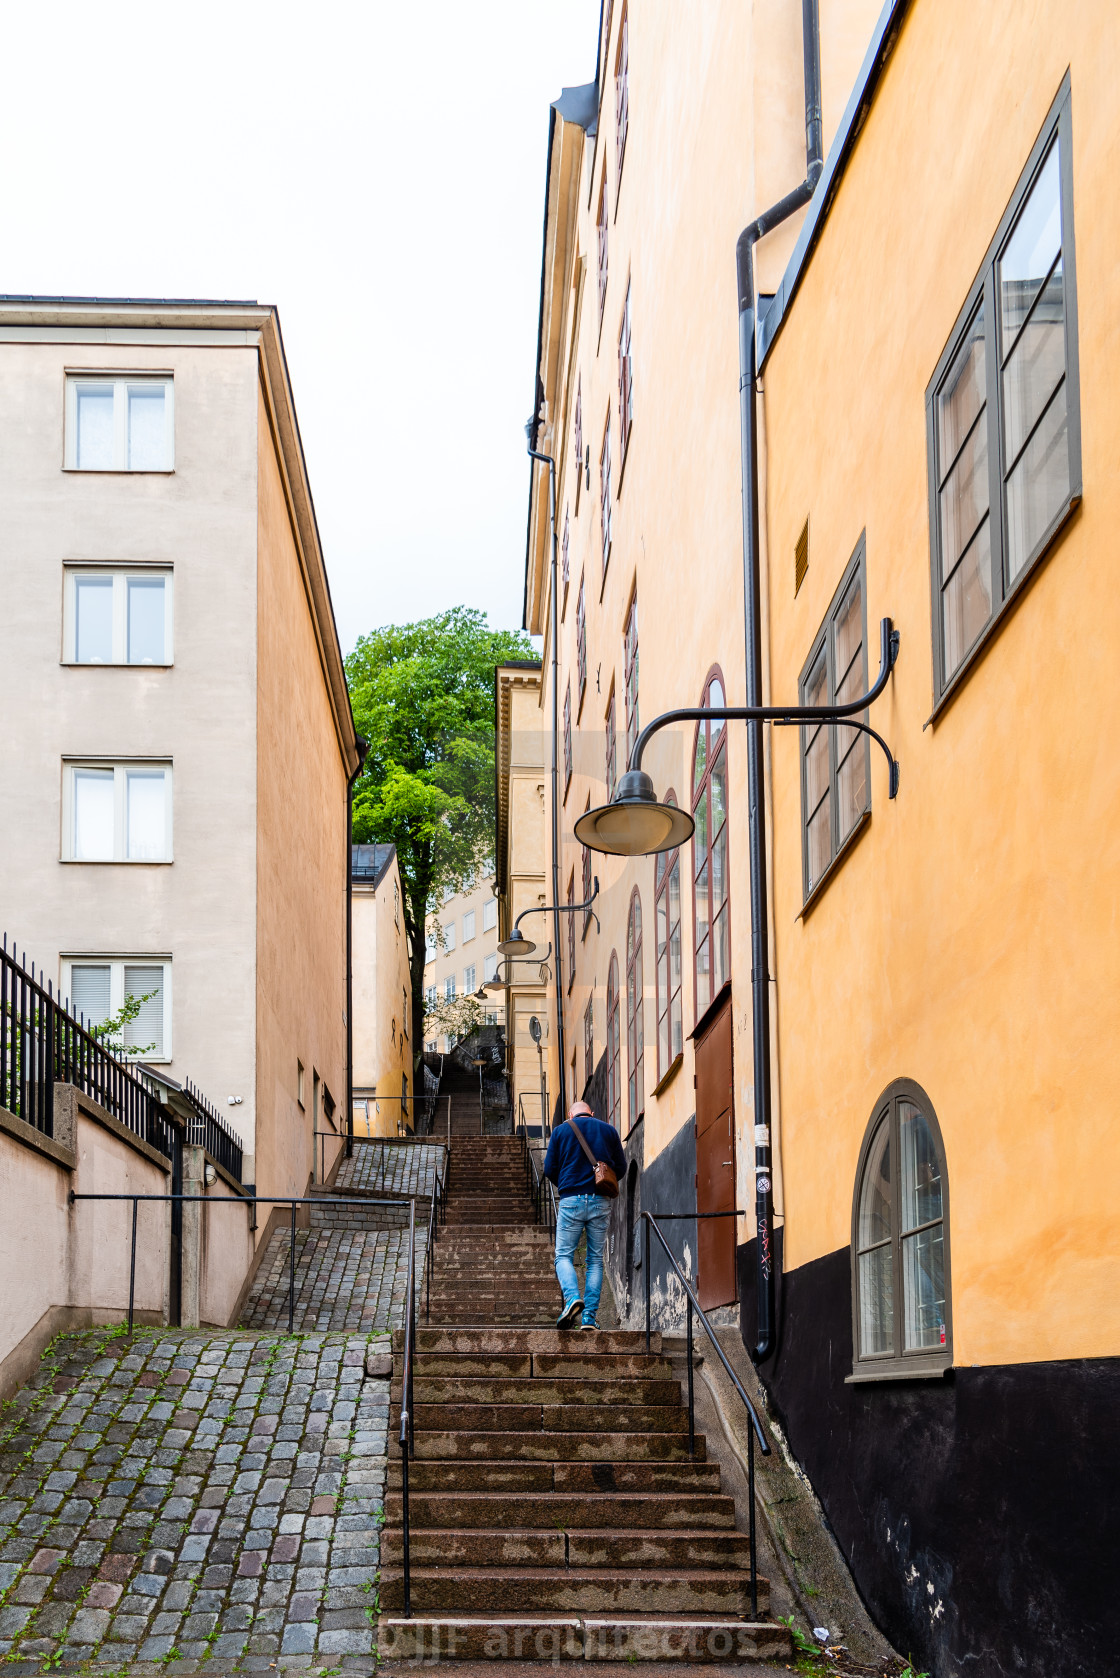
(555, 1509)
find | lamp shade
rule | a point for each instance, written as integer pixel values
(496, 984)
(634, 823)
(516, 944)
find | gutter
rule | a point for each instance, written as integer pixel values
(363, 747)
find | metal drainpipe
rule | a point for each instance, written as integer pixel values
(363, 747)
(752, 612)
(547, 460)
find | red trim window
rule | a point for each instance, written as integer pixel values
(579, 436)
(605, 495)
(622, 91)
(625, 379)
(709, 853)
(612, 749)
(635, 1016)
(601, 234)
(581, 644)
(565, 566)
(667, 914)
(630, 676)
(571, 919)
(568, 737)
(614, 1047)
(586, 878)
(589, 1041)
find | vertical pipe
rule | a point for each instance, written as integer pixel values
(411, 1320)
(691, 1401)
(362, 747)
(292, 1275)
(645, 1221)
(132, 1266)
(554, 767)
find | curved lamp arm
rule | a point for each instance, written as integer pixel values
(564, 908)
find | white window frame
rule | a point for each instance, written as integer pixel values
(489, 966)
(431, 946)
(468, 926)
(121, 384)
(120, 575)
(470, 979)
(490, 914)
(449, 937)
(117, 965)
(120, 767)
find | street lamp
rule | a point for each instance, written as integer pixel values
(515, 942)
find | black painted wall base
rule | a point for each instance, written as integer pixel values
(979, 1513)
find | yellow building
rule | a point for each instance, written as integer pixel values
(461, 945)
(936, 442)
(383, 1056)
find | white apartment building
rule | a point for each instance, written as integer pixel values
(173, 773)
(461, 950)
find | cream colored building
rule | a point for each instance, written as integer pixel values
(461, 949)
(521, 882)
(173, 782)
(383, 1054)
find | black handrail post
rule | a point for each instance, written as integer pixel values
(750, 1498)
(691, 1408)
(647, 1286)
(132, 1266)
(292, 1275)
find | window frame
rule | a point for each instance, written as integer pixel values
(621, 99)
(469, 926)
(120, 573)
(589, 1041)
(121, 383)
(585, 879)
(630, 675)
(470, 975)
(610, 743)
(120, 768)
(857, 565)
(567, 739)
(1058, 127)
(635, 1015)
(704, 792)
(565, 565)
(613, 1046)
(664, 864)
(625, 380)
(578, 439)
(602, 249)
(117, 964)
(581, 642)
(490, 914)
(606, 521)
(921, 1363)
(571, 932)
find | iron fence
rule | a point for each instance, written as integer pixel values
(207, 1129)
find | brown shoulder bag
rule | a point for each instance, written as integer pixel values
(606, 1180)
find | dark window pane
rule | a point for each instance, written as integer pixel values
(962, 395)
(851, 785)
(820, 841)
(1037, 363)
(875, 1217)
(923, 1288)
(966, 603)
(920, 1173)
(1030, 253)
(964, 498)
(876, 1302)
(1038, 488)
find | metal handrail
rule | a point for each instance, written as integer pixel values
(755, 1429)
(535, 1181)
(406, 1442)
(381, 1141)
(425, 1102)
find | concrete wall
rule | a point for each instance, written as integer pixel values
(451, 964)
(525, 883)
(383, 1052)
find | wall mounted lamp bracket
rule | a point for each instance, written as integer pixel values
(516, 944)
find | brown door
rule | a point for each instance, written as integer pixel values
(715, 1162)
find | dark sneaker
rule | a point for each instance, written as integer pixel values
(567, 1317)
(589, 1325)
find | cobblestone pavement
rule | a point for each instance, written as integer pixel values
(391, 1168)
(195, 1497)
(345, 1279)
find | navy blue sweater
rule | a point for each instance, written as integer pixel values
(568, 1165)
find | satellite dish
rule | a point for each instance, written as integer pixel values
(534, 1028)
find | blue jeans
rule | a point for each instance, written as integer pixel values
(576, 1213)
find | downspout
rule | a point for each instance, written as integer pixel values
(752, 613)
(363, 747)
(547, 460)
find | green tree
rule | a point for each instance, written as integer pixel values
(423, 696)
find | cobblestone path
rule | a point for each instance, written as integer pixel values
(345, 1278)
(208, 1499)
(393, 1168)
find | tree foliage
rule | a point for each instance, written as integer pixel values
(423, 697)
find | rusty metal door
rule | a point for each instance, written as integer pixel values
(715, 1162)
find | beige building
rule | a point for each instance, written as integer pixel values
(461, 950)
(522, 859)
(173, 788)
(383, 1055)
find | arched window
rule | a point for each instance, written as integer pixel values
(711, 914)
(900, 1241)
(614, 1047)
(667, 913)
(635, 1017)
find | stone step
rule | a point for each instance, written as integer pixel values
(579, 1590)
(563, 1511)
(587, 1419)
(541, 1389)
(587, 1478)
(554, 1446)
(532, 1547)
(707, 1639)
(557, 1342)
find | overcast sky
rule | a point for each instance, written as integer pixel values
(375, 170)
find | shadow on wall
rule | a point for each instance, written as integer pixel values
(668, 1185)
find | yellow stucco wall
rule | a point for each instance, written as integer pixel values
(969, 939)
(301, 853)
(382, 1005)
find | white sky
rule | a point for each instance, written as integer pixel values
(377, 172)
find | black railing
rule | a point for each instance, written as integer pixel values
(417, 1115)
(541, 1188)
(42, 1044)
(406, 1441)
(207, 1129)
(755, 1429)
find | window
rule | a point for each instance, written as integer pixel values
(431, 1047)
(114, 812)
(120, 425)
(404, 1013)
(835, 758)
(490, 914)
(449, 936)
(625, 380)
(489, 966)
(614, 1048)
(667, 912)
(299, 1082)
(900, 1247)
(588, 1041)
(567, 737)
(801, 559)
(571, 920)
(635, 1016)
(709, 853)
(565, 566)
(468, 926)
(99, 986)
(449, 988)
(581, 644)
(630, 677)
(587, 913)
(601, 236)
(430, 997)
(579, 436)
(621, 92)
(611, 749)
(396, 905)
(1003, 410)
(115, 616)
(431, 948)
(605, 495)
(470, 978)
